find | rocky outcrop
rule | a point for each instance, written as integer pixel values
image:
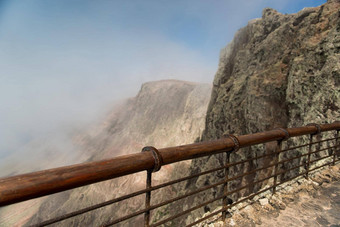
(164, 113)
(279, 71)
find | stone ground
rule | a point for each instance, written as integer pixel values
(308, 203)
(318, 208)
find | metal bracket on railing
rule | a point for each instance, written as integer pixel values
(338, 130)
(156, 155)
(235, 140)
(286, 133)
(317, 126)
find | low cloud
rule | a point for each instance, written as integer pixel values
(64, 65)
(55, 92)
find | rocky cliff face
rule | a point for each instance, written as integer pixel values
(164, 113)
(279, 71)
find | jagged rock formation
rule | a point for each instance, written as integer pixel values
(164, 113)
(279, 71)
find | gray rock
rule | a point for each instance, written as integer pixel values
(279, 71)
(264, 201)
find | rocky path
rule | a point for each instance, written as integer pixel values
(318, 208)
(313, 202)
(300, 203)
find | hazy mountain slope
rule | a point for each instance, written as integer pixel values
(164, 113)
(41, 153)
(279, 71)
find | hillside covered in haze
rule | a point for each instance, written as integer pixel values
(164, 113)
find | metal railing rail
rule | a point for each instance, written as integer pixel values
(33, 185)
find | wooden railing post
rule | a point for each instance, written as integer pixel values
(157, 166)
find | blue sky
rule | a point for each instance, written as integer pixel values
(64, 63)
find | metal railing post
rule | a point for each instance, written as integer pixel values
(225, 187)
(310, 146)
(147, 199)
(277, 159)
(337, 146)
(225, 200)
(309, 155)
(157, 166)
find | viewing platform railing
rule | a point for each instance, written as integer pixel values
(322, 149)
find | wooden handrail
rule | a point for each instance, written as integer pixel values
(32, 185)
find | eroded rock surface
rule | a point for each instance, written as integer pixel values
(279, 71)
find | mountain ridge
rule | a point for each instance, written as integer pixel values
(163, 113)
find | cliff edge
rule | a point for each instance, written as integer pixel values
(279, 71)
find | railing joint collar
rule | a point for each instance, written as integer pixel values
(157, 157)
(286, 133)
(338, 122)
(235, 141)
(317, 126)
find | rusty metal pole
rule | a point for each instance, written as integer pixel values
(318, 131)
(309, 154)
(337, 146)
(157, 166)
(147, 199)
(225, 200)
(277, 159)
(225, 187)
(277, 156)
